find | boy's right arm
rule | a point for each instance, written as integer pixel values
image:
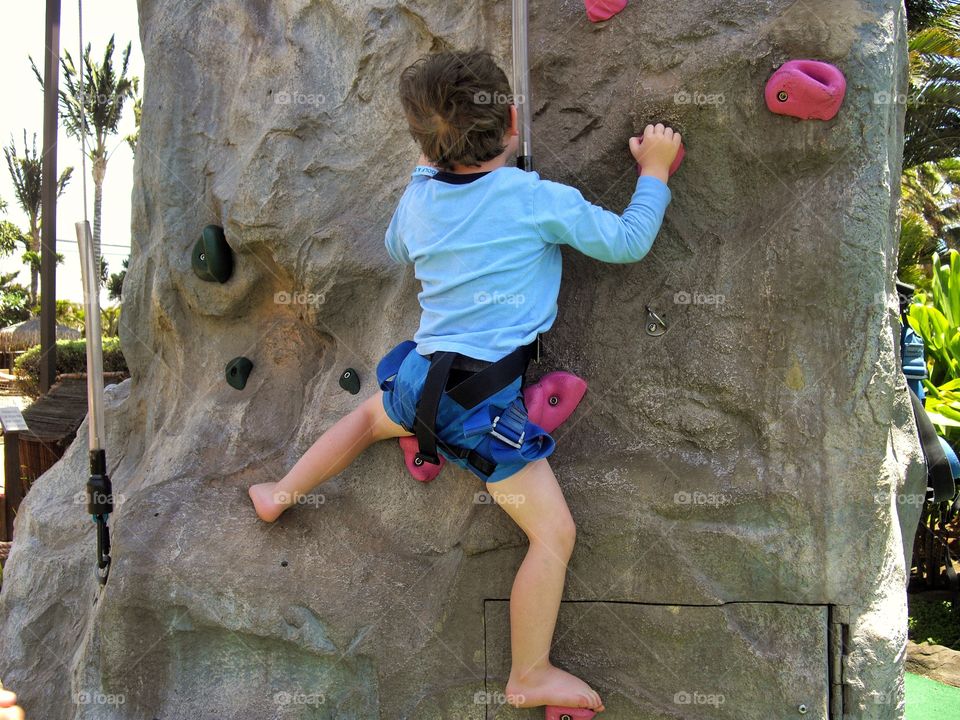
(563, 215)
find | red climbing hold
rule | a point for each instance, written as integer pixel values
(553, 398)
(424, 472)
(600, 10)
(558, 712)
(806, 89)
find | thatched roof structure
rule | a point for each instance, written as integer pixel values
(26, 334)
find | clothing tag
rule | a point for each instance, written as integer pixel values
(424, 170)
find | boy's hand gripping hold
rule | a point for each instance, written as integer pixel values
(658, 152)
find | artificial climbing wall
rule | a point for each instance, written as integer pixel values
(743, 483)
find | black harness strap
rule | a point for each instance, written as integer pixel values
(471, 456)
(939, 474)
(425, 419)
(494, 378)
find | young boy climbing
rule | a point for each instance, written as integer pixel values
(484, 239)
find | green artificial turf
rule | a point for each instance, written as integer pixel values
(927, 699)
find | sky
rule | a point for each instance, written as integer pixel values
(23, 36)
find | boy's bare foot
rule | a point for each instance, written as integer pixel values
(267, 501)
(551, 686)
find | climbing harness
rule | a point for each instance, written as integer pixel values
(491, 434)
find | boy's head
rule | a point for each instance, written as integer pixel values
(457, 105)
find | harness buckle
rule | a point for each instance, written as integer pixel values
(513, 421)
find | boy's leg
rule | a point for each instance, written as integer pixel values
(333, 451)
(533, 499)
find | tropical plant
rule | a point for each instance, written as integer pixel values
(26, 172)
(71, 358)
(115, 283)
(13, 301)
(932, 129)
(92, 113)
(110, 321)
(930, 218)
(917, 243)
(133, 137)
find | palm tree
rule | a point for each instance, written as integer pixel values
(930, 200)
(100, 103)
(115, 283)
(932, 130)
(26, 172)
(932, 191)
(133, 137)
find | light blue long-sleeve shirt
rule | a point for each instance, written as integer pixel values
(486, 250)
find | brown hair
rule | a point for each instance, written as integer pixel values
(457, 105)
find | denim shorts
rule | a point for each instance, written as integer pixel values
(400, 404)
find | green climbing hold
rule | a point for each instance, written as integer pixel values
(238, 370)
(350, 381)
(212, 256)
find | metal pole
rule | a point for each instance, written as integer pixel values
(48, 200)
(521, 83)
(91, 308)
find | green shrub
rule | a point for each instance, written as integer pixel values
(934, 622)
(71, 358)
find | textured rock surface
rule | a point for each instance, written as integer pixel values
(761, 452)
(934, 661)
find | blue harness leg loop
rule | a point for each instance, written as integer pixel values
(389, 366)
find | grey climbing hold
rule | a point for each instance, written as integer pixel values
(238, 370)
(212, 257)
(350, 381)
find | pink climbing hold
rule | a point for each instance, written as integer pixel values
(806, 89)
(549, 402)
(681, 154)
(600, 10)
(424, 472)
(553, 398)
